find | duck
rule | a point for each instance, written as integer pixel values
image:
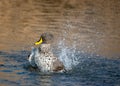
(43, 58)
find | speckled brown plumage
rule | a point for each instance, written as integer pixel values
(44, 58)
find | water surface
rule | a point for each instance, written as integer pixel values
(92, 71)
(92, 26)
(86, 38)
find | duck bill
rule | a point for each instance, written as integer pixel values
(39, 42)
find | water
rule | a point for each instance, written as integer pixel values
(87, 39)
(93, 26)
(92, 71)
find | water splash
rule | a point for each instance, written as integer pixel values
(65, 53)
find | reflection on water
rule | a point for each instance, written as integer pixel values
(85, 31)
(92, 26)
(92, 71)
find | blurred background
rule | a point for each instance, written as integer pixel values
(91, 26)
(85, 32)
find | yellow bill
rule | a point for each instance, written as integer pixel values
(39, 42)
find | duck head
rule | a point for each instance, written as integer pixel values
(45, 38)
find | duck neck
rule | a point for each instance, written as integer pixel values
(45, 48)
